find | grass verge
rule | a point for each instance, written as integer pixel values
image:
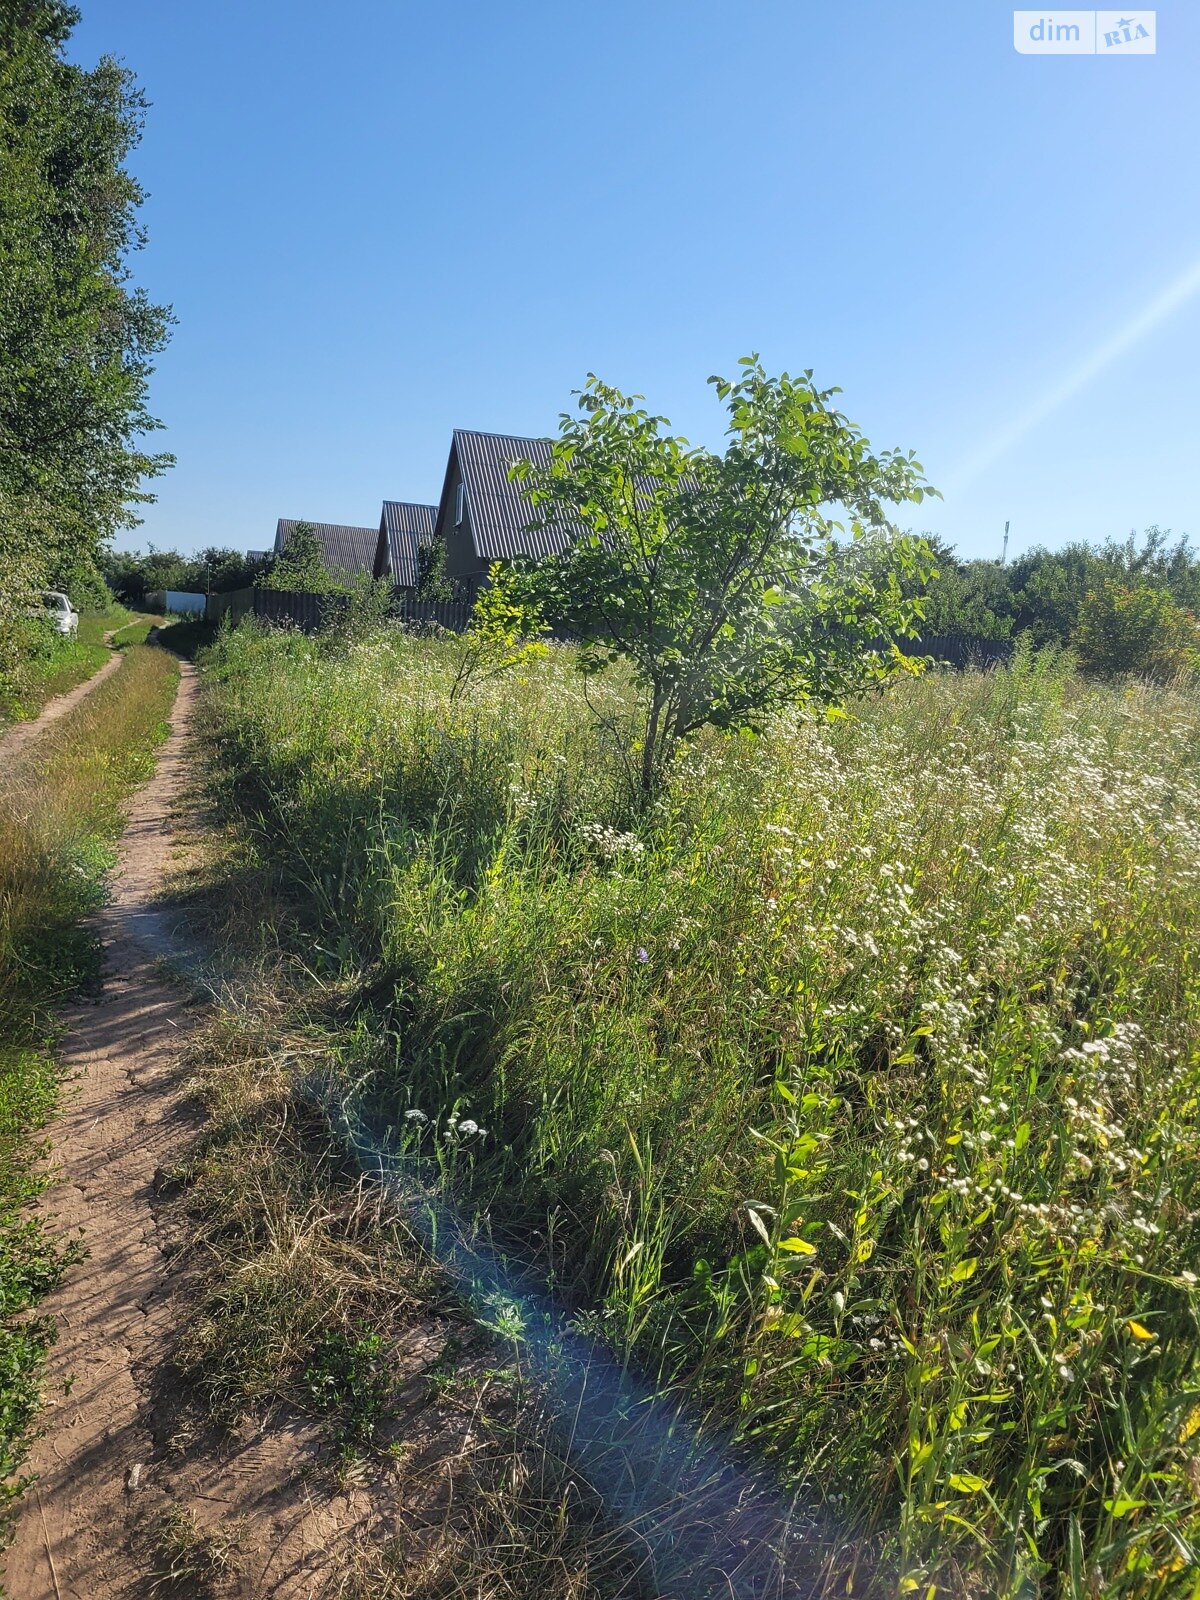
(313, 1295)
(53, 665)
(60, 816)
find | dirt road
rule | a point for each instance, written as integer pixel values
(112, 1466)
(118, 1122)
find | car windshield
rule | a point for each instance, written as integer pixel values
(55, 602)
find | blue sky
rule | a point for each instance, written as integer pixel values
(378, 221)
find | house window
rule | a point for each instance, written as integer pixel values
(460, 504)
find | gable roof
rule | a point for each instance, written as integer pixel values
(498, 510)
(345, 549)
(403, 528)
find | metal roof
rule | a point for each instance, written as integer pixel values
(406, 527)
(350, 550)
(498, 509)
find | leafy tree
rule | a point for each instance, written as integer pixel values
(219, 569)
(963, 597)
(76, 340)
(721, 578)
(1048, 587)
(1135, 629)
(131, 575)
(432, 582)
(300, 565)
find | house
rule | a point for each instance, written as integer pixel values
(483, 516)
(403, 529)
(349, 552)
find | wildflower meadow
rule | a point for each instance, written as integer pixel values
(848, 1093)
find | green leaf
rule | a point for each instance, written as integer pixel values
(758, 1224)
(967, 1483)
(798, 1247)
(1122, 1506)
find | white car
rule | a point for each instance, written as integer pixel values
(58, 612)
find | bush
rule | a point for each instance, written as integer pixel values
(1123, 629)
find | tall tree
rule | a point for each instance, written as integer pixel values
(722, 579)
(77, 339)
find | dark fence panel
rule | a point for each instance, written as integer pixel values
(233, 603)
(304, 611)
(452, 614)
(960, 649)
(310, 611)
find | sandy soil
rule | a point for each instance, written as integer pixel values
(116, 1454)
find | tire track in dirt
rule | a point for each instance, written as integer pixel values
(22, 733)
(87, 1527)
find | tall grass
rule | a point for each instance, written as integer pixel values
(853, 1095)
(60, 814)
(39, 664)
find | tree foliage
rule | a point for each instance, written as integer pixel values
(432, 583)
(77, 339)
(1127, 629)
(503, 633)
(723, 579)
(1045, 593)
(300, 565)
(131, 575)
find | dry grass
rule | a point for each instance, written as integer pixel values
(313, 1294)
(191, 1561)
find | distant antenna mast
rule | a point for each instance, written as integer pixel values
(1004, 552)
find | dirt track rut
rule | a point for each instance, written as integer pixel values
(110, 1461)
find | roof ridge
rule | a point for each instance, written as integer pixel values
(490, 433)
(358, 527)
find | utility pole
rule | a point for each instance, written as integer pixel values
(1004, 552)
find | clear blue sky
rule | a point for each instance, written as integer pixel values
(377, 221)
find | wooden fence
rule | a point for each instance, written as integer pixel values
(304, 611)
(960, 649)
(234, 604)
(452, 614)
(311, 611)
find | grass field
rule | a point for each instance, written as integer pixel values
(60, 815)
(53, 664)
(852, 1095)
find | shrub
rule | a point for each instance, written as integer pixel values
(1124, 629)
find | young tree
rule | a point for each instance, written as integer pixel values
(432, 582)
(502, 635)
(300, 565)
(721, 578)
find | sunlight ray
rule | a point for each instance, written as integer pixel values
(1164, 306)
